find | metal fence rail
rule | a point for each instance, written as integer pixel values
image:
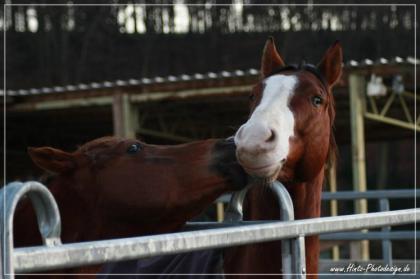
(383, 198)
(353, 195)
(293, 250)
(375, 194)
(80, 254)
(392, 235)
(54, 255)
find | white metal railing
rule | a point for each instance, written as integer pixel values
(57, 255)
(383, 198)
(94, 252)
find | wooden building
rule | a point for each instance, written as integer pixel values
(176, 109)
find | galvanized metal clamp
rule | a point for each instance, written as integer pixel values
(293, 250)
(47, 213)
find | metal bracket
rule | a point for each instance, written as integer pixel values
(47, 213)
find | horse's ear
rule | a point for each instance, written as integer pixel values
(331, 64)
(271, 59)
(51, 159)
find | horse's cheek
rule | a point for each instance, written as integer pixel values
(129, 183)
(309, 153)
(314, 161)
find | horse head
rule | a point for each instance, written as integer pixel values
(125, 183)
(288, 134)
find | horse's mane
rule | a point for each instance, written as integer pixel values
(101, 149)
(100, 143)
(332, 149)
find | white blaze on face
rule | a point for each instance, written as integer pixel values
(272, 115)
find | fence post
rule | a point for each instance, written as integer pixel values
(293, 250)
(125, 116)
(386, 243)
(332, 182)
(299, 257)
(357, 83)
(220, 212)
(2, 251)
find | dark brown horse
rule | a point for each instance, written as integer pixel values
(287, 137)
(113, 187)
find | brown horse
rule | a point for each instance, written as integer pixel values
(287, 137)
(113, 187)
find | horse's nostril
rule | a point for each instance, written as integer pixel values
(283, 161)
(272, 136)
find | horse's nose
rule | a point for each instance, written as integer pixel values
(255, 138)
(272, 137)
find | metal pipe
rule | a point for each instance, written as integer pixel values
(234, 209)
(392, 235)
(99, 251)
(376, 194)
(96, 252)
(299, 257)
(49, 222)
(286, 214)
(234, 214)
(351, 195)
(195, 226)
(386, 243)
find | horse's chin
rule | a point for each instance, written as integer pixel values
(267, 173)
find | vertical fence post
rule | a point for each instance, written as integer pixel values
(220, 211)
(386, 243)
(125, 116)
(332, 182)
(299, 257)
(293, 250)
(359, 250)
(2, 262)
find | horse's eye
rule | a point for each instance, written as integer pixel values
(252, 97)
(134, 148)
(317, 101)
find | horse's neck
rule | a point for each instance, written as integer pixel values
(25, 228)
(307, 197)
(262, 204)
(75, 224)
(74, 212)
(81, 216)
(185, 203)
